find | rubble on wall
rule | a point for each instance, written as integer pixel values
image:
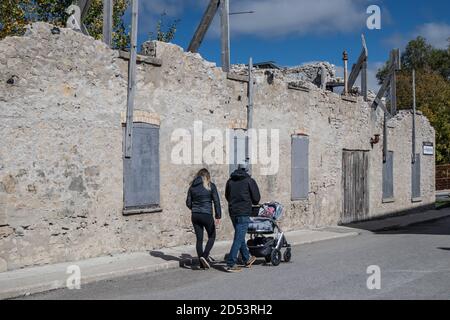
(148, 48)
(310, 72)
(307, 75)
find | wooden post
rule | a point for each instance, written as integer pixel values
(345, 58)
(393, 86)
(131, 79)
(249, 109)
(203, 26)
(414, 117)
(84, 7)
(225, 34)
(364, 89)
(107, 21)
(385, 137)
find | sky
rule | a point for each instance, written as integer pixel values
(293, 32)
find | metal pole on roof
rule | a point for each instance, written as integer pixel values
(107, 21)
(414, 117)
(249, 111)
(345, 58)
(131, 79)
(225, 34)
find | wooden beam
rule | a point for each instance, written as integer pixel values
(203, 26)
(396, 65)
(364, 87)
(107, 21)
(140, 58)
(84, 8)
(225, 34)
(360, 68)
(359, 64)
(383, 89)
(364, 84)
(356, 70)
(237, 77)
(393, 85)
(349, 98)
(385, 110)
(131, 79)
(299, 88)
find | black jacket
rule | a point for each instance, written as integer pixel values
(200, 200)
(241, 193)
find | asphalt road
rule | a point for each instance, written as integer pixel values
(414, 264)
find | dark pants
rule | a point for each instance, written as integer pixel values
(240, 225)
(200, 222)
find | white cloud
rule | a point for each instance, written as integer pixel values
(286, 17)
(437, 34)
(271, 18)
(151, 10)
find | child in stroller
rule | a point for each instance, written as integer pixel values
(264, 222)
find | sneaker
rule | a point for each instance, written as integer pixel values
(250, 262)
(204, 263)
(233, 269)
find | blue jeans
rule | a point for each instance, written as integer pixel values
(240, 225)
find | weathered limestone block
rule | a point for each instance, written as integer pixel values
(149, 48)
(3, 218)
(3, 265)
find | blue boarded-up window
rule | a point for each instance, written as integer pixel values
(141, 171)
(299, 167)
(388, 176)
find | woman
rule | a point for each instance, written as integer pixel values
(202, 193)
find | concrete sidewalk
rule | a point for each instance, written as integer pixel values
(44, 278)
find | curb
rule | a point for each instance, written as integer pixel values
(88, 279)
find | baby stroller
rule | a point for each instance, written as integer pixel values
(263, 222)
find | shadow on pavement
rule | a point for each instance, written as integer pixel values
(440, 226)
(185, 260)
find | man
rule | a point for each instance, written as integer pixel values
(241, 193)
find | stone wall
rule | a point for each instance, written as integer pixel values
(61, 175)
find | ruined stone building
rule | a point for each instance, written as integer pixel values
(67, 193)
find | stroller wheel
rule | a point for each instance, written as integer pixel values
(275, 257)
(287, 255)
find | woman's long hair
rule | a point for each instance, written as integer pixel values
(206, 178)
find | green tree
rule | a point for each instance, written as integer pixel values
(164, 32)
(432, 67)
(420, 55)
(16, 14)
